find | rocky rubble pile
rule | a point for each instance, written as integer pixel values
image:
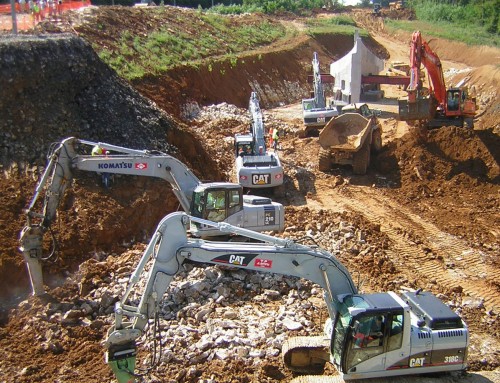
(69, 92)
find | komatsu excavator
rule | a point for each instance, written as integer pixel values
(217, 201)
(436, 106)
(257, 167)
(416, 333)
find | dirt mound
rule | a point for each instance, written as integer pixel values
(448, 167)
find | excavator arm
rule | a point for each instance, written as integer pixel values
(257, 123)
(170, 247)
(435, 70)
(64, 158)
(419, 105)
(319, 93)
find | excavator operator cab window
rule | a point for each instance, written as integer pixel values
(216, 205)
(371, 333)
(368, 335)
(396, 332)
(235, 201)
(365, 111)
(307, 105)
(453, 99)
(198, 204)
(244, 149)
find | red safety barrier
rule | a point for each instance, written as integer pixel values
(26, 19)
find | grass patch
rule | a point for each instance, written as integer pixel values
(472, 35)
(216, 36)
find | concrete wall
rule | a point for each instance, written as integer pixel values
(349, 69)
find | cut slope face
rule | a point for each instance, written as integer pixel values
(277, 71)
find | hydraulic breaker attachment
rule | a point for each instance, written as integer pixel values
(31, 247)
(122, 362)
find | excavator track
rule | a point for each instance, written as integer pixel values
(306, 354)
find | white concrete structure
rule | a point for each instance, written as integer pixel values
(348, 71)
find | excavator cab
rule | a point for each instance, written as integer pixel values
(460, 103)
(382, 334)
(453, 100)
(216, 202)
(373, 333)
(367, 326)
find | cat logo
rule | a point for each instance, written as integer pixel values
(236, 260)
(417, 362)
(261, 179)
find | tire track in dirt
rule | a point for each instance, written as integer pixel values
(420, 247)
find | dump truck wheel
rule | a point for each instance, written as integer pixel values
(361, 159)
(376, 141)
(324, 160)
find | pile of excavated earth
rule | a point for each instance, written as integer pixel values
(426, 215)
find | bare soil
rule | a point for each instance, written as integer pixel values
(429, 204)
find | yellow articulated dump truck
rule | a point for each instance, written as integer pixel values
(349, 140)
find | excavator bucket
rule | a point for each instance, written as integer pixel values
(422, 109)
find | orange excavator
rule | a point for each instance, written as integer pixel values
(436, 106)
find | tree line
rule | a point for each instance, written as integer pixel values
(484, 13)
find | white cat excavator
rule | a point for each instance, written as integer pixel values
(216, 201)
(366, 335)
(316, 112)
(257, 167)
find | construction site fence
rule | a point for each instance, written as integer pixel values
(26, 18)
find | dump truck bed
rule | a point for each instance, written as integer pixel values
(346, 132)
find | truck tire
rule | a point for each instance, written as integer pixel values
(324, 160)
(376, 141)
(361, 159)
